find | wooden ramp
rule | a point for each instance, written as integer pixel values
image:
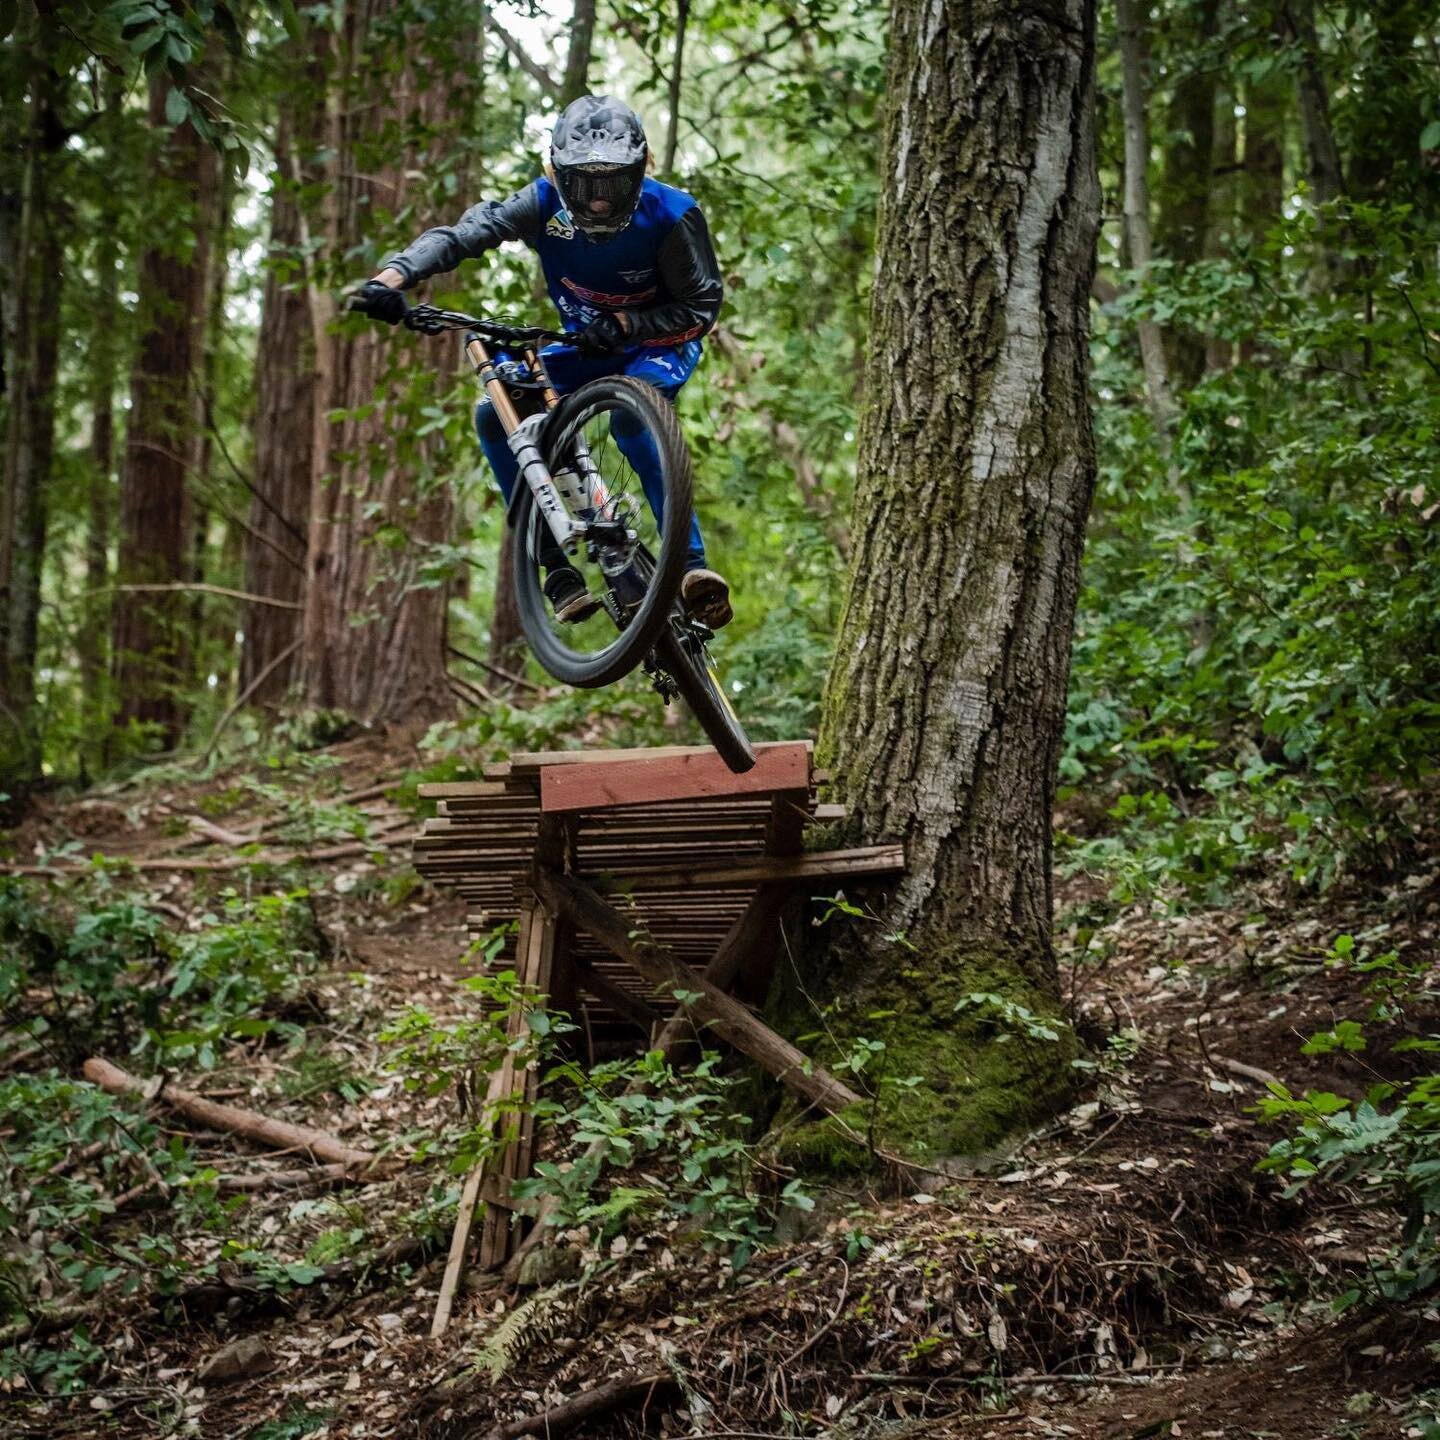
(630, 874)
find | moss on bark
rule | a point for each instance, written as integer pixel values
(956, 1074)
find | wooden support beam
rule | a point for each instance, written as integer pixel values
(508, 1091)
(754, 930)
(729, 1019)
(592, 982)
(688, 776)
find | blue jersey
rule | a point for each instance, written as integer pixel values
(586, 279)
(660, 268)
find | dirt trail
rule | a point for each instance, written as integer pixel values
(1124, 1273)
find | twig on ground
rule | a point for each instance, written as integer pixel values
(1248, 1072)
(557, 1419)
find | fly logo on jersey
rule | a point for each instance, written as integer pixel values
(614, 301)
(559, 225)
(636, 277)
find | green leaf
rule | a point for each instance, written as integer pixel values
(177, 107)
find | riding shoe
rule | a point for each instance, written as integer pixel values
(707, 597)
(568, 597)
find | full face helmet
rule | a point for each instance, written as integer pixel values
(597, 160)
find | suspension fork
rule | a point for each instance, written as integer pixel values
(522, 437)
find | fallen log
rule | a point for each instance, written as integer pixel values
(557, 1419)
(277, 1134)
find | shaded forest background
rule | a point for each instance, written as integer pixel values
(192, 188)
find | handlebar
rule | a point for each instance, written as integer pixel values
(429, 320)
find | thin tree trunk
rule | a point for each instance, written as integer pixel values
(1183, 213)
(151, 642)
(577, 63)
(507, 640)
(1137, 211)
(677, 71)
(1264, 192)
(284, 427)
(1322, 154)
(32, 270)
(944, 711)
(1221, 226)
(90, 638)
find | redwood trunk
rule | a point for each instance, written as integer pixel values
(284, 428)
(31, 268)
(373, 630)
(151, 640)
(946, 700)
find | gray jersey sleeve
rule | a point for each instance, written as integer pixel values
(482, 227)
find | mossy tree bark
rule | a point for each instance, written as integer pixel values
(945, 705)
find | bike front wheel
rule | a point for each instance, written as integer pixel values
(598, 442)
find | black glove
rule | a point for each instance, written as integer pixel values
(380, 302)
(602, 337)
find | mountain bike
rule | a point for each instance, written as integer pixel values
(581, 502)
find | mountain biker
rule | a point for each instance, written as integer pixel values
(629, 264)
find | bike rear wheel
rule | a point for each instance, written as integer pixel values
(612, 420)
(684, 652)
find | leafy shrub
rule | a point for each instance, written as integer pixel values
(1388, 1141)
(638, 1141)
(1256, 644)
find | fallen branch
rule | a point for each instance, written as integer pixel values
(557, 1419)
(195, 585)
(350, 849)
(1249, 1072)
(498, 671)
(314, 1175)
(246, 693)
(278, 1134)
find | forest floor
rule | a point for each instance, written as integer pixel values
(1123, 1272)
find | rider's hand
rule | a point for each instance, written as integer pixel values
(602, 337)
(379, 301)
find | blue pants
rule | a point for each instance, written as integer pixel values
(667, 370)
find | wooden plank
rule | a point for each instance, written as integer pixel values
(820, 864)
(524, 762)
(730, 1020)
(689, 776)
(460, 790)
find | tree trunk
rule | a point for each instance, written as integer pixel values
(1220, 228)
(677, 71)
(373, 633)
(577, 62)
(1183, 214)
(284, 425)
(90, 637)
(32, 269)
(946, 700)
(151, 632)
(1137, 209)
(507, 640)
(1322, 155)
